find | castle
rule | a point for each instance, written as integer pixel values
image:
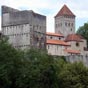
(27, 29)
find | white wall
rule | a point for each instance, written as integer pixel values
(19, 35)
(55, 49)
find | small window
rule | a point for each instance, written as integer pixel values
(57, 47)
(72, 24)
(26, 35)
(65, 23)
(56, 25)
(68, 24)
(71, 29)
(40, 27)
(59, 38)
(48, 46)
(77, 44)
(60, 24)
(50, 37)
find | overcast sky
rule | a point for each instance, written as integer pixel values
(50, 8)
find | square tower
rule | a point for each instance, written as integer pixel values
(24, 29)
(65, 21)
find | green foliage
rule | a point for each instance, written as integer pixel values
(74, 76)
(39, 71)
(9, 64)
(83, 30)
(36, 69)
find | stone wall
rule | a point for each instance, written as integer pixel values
(22, 26)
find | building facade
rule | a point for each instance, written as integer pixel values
(64, 42)
(24, 29)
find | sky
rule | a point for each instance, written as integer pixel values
(50, 8)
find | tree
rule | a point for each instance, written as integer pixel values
(36, 69)
(10, 62)
(83, 30)
(73, 76)
(38, 72)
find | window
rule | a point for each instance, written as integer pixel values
(56, 25)
(60, 24)
(50, 37)
(68, 24)
(77, 44)
(48, 46)
(71, 29)
(57, 47)
(59, 38)
(40, 27)
(37, 26)
(33, 27)
(72, 24)
(26, 34)
(65, 23)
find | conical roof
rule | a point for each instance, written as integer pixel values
(65, 11)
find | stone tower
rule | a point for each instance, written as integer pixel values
(24, 29)
(65, 21)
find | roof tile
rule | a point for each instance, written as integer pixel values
(65, 11)
(57, 42)
(73, 37)
(54, 34)
(72, 51)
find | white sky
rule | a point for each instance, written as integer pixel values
(50, 8)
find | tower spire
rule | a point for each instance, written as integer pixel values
(65, 11)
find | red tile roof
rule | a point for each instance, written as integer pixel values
(80, 36)
(65, 11)
(54, 34)
(73, 37)
(72, 51)
(57, 42)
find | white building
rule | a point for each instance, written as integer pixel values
(24, 29)
(64, 42)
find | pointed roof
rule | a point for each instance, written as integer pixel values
(65, 11)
